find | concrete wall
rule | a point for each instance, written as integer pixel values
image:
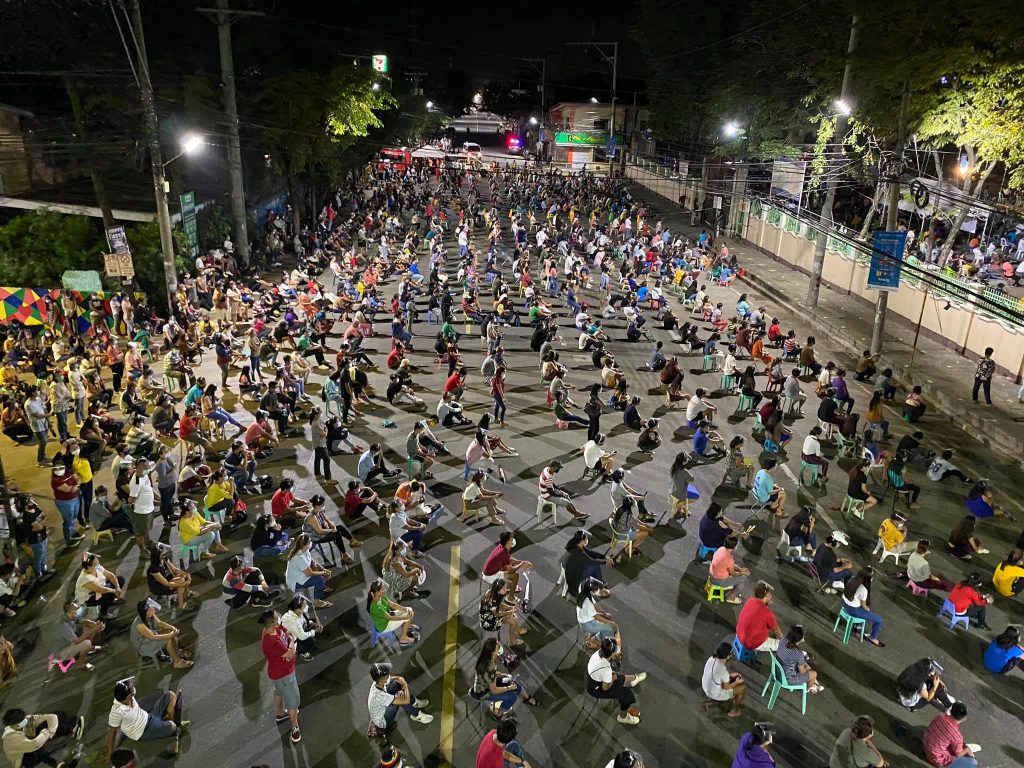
(960, 327)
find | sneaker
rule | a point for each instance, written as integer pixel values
(280, 718)
(983, 551)
(307, 656)
(421, 703)
(296, 736)
(423, 718)
(79, 728)
(355, 543)
(637, 679)
(628, 719)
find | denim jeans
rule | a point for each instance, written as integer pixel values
(317, 583)
(39, 557)
(41, 447)
(872, 618)
(62, 424)
(68, 509)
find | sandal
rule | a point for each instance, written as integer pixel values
(532, 701)
(877, 643)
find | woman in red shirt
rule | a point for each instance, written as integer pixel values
(279, 649)
(498, 393)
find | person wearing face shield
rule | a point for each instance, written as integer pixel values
(752, 751)
(501, 563)
(28, 739)
(500, 690)
(387, 695)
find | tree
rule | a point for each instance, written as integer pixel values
(40, 246)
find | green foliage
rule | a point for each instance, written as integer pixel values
(37, 247)
(353, 104)
(214, 224)
(147, 256)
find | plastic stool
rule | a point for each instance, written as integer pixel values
(745, 655)
(792, 405)
(916, 590)
(746, 403)
(851, 622)
(713, 592)
(827, 429)
(107, 533)
(728, 382)
(387, 637)
(710, 363)
(852, 506)
(705, 552)
(541, 503)
(805, 370)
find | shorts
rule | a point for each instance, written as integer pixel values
(726, 694)
(141, 523)
(395, 624)
(73, 650)
(287, 688)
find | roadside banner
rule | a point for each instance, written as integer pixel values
(188, 222)
(886, 260)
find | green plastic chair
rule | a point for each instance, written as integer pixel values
(714, 593)
(778, 682)
(851, 622)
(746, 403)
(710, 363)
(806, 466)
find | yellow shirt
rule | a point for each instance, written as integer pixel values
(1004, 577)
(190, 527)
(82, 468)
(217, 493)
(890, 535)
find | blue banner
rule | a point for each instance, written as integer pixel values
(886, 260)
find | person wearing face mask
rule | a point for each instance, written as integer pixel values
(83, 470)
(500, 561)
(96, 586)
(142, 497)
(66, 497)
(387, 695)
(107, 515)
(301, 627)
(604, 683)
(502, 691)
(78, 636)
(28, 739)
(153, 637)
(303, 571)
(279, 649)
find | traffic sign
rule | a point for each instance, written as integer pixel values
(117, 241)
(886, 260)
(118, 265)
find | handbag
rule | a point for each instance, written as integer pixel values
(511, 660)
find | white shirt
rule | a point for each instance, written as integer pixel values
(858, 597)
(295, 572)
(811, 446)
(471, 493)
(130, 718)
(377, 703)
(295, 626)
(591, 454)
(141, 489)
(937, 467)
(599, 669)
(730, 365)
(586, 612)
(711, 681)
(694, 408)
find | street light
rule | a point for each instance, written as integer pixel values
(731, 130)
(376, 86)
(430, 105)
(190, 143)
(593, 100)
(842, 107)
(533, 120)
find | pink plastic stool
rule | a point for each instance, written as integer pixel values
(918, 591)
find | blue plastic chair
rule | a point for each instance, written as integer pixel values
(777, 679)
(745, 655)
(705, 552)
(389, 638)
(955, 618)
(851, 622)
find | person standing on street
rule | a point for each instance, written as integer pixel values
(280, 648)
(983, 376)
(142, 497)
(35, 410)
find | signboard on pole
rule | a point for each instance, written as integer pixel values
(609, 147)
(717, 202)
(380, 62)
(117, 241)
(119, 265)
(886, 260)
(188, 222)
(788, 179)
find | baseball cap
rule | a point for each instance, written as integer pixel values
(840, 538)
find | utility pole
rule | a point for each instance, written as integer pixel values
(612, 60)
(225, 17)
(155, 160)
(892, 215)
(832, 173)
(543, 81)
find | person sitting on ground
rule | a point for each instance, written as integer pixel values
(501, 691)
(244, 584)
(603, 683)
(719, 684)
(162, 720)
(476, 498)
(981, 502)
(648, 440)
(831, 568)
(795, 662)
(707, 443)
(962, 542)
(284, 505)
(631, 415)
(98, 587)
(856, 598)
(388, 616)
(1005, 652)
(724, 572)
(78, 637)
(919, 570)
(968, 601)
(943, 743)
(1008, 578)
(919, 685)
(28, 739)
(164, 578)
(153, 638)
(855, 749)
(268, 539)
(942, 467)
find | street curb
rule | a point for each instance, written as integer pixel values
(1000, 440)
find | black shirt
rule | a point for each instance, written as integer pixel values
(825, 561)
(827, 409)
(577, 560)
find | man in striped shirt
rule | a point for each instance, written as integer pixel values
(552, 493)
(944, 744)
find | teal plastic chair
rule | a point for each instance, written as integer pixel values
(806, 466)
(728, 382)
(758, 427)
(710, 363)
(746, 403)
(778, 682)
(851, 623)
(187, 553)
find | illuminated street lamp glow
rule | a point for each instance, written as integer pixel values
(731, 129)
(376, 86)
(430, 105)
(593, 100)
(533, 120)
(842, 107)
(191, 143)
